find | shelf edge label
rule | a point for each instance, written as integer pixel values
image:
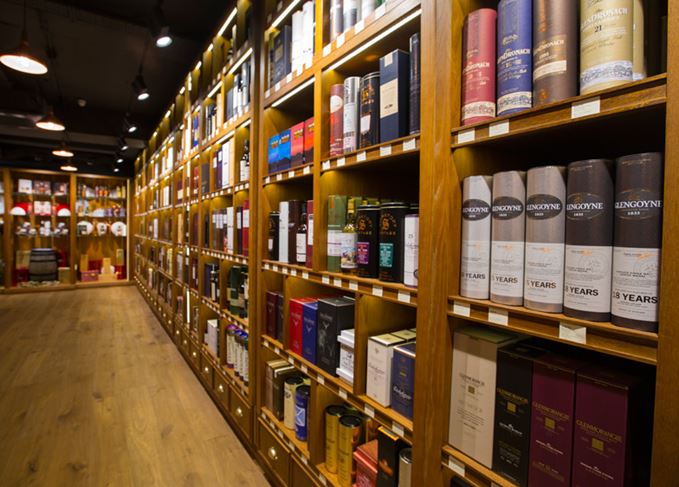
(466, 136)
(461, 309)
(498, 128)
(585, 108)
(498, 316)
(573, 333)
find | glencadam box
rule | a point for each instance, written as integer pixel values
(380, 353)
(472, 403)
(334, 315)
(403, 379)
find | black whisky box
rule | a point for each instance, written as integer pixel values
(394, 95)
(271, 313)
(334, 315)
(389, 446)
(282, 53)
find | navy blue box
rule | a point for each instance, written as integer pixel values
(309, 326)
(272, 153)
(403, 379)
(334, 315)
(394, 95)
(282, 53)
(285, 150)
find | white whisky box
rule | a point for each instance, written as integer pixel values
(378, 380)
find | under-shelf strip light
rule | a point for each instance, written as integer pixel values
(168, 112)
(226, 23)
(375, 40)
(292, 93)
(198, 65)
(226, 137)
(284, 14)
(209, 48)
(245, 124)
(242, 59)
(214, 90)
(182, 90)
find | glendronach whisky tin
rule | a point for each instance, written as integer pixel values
(332, 417)
(350, 432)
(302, 412)
(392, 216)
(367, 230)
(405, 467)
(274, 218)
(289, 397)
(369, 130)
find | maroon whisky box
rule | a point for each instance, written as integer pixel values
(309, 141)
(551, 432)
(609, 423)
(297, 146)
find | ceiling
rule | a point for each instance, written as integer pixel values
(95, 49)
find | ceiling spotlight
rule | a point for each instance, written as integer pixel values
(161, 30)
(23, 58)
(50, 122)
(139, 88)
(122, 144)
(62, 151)
(116, 169)
(129, 127)
(69, 168)
(163, 38)
(119, 159)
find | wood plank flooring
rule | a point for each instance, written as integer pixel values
(93, 392)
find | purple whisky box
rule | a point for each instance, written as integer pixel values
(551, 433)
(309, 324)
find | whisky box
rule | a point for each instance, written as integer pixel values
(476, 226)
(389, 446)
(414, 118)
(611, 444)
(347, 346)
(367, 242)
(271, 366)
(472, 395)
(282, 57)
(478, 66)
(297, 145)
(379, 368)
(309, 327)
(513, 411)
(394, 95)
(294, 221)
(271, 313)
(334, 315)
(284, 150)
(309, 232)
(273, 237)
(336, 120)
(551, 432)
(337, 215)
(297, 324)
(280, 307)
(403, 379)
(406, 335)
(350, 113)
(245, 249)
(205, 178)
(279, 376)
(273, 153)
(309, 140)
(212, 336)
(391, 232)
(283, 234)
(411, 237)
(369, 99)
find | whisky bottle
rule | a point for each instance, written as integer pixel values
(348, 240)
(301, 240)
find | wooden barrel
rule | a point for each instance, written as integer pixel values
(43, 265)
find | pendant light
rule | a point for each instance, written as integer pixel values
(129, 127)
(122, 144)
(139, 87)
(50, 122)
(161, 30)
(62, 150)
(69, 168)
(24, 59)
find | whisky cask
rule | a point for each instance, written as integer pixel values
(478, 66)
(605, 44)
(514, 56)
(589, 239)
(508, 234)
(545, 238)
(637, 241)
(555, 50)
(475, 251)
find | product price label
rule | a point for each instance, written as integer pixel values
(378, 291)
(498, 128)
(326, 165)
(404, 296)
(342, 393)
(307, 170)
(279, 177)
(305, 275)
(327, 49)
(409, 145)
(291, 360)
(277, 87)
(322, 478)
(341, 161)
(267, 180)
(380, 11)
(461, 309)
(398, 429)
(304, 368)
(321, 379)
(325, 280)
(466, 136)
(284, 269)
(385, 150)
(337, 282)
(293, 272)
(288, 78)
(585, 108)
(361, 156)
(456, 466)
(369, 411)
(291, 174)
(353, 285)
(305, 461)
(573, 333)
(339, 42)
(359, 26)
(498, 316)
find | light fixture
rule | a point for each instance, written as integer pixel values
(119, 158)
(116, 169)
(122, 144)
(23, 58)
(139, 87)
(284, 14)
(163, 38)
(292, 93)
(62, 150)
(161, 30)
(242, 59)
(198, 65)
(129, 127)
(50, 122)
(69, 168)
(226, 23)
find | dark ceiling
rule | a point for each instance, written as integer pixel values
(95, 47)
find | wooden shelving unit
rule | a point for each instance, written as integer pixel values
(427, 169)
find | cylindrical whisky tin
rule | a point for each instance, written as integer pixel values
(367, 8)
(478, 66)
(638, 41)
(370, 103)
(333, 413)
(336, 19)
(545, 238)
(367, 229)
(336, 119)
(289, 399)
(351, 105)
(508, 234)
(391, 241)
(555, 50)
(514, 56)
(350, 13)
(230, 346)
(302, 395)
(589, 239)
(272, 246)
(476, 221)
(405, 467)
(350, 432)
(606, 44)
(411, 234)
(246, 358)
(239, 353)
(637, 241)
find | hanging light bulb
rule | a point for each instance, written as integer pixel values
(139, 88)
(161, 29)
(23, 58)
(50, 122)
(62, 150)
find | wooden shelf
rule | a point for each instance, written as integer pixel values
(299, 80)
(466, 467)
(601, 337)
(638, 95)
(386, 152)
(218, 254)
(285, 434)
(295, 173)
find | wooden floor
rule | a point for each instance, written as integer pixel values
(93, 392)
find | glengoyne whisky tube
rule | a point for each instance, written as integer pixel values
(350, 117)
(392, 216)
(514, 56)
(545, 238)
(333, 413)
(350, 433)
(336, 119)
(478, 66)
(637, 241)
(605, 44)
(367, 242)
(638, 46)
(508, 233)
(336, 19)
(369, 110)
(589, 239)
(555, 50)
(476, 220)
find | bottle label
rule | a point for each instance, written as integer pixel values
(365, 124)
(507, 208)
(543, 207)
(334, 248)
(363, 253)
(301, 247)
(270, 246)
(550, 57)
(506, 274)
(475, 210)
(386, 255)
(587, 278)
(475, 268)
(635, 283)
(348, 250)
(310, 229)
(544, 272)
